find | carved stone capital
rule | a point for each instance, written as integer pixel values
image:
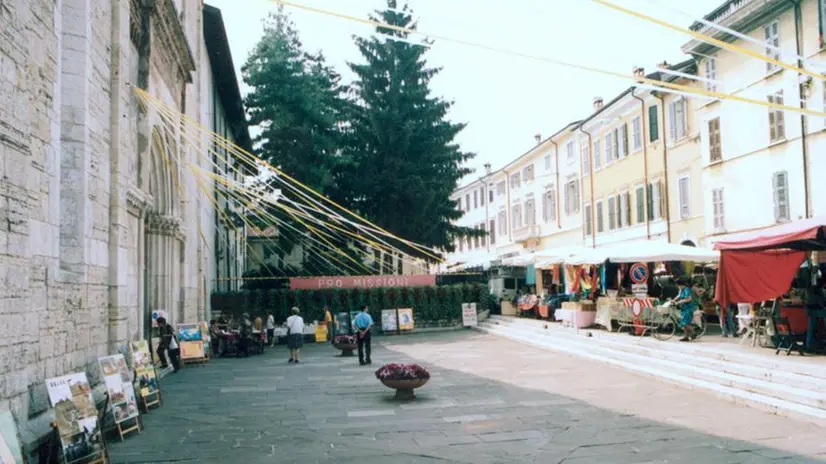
(163, 225)
(137, 202)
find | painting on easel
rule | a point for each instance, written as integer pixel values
(76, 418)
(145, 374)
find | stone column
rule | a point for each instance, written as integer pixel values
(118, 220)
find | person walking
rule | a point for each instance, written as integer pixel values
(685, 301)
(271, 330)
(169, 344)
(328, 321)
(295, 335)
(364, 323)
(727, 325)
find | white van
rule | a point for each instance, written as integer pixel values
(505, 282)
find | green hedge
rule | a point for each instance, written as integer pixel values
(432, 306)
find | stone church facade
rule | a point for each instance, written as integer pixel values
(101, 218)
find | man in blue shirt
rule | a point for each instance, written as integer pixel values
(363, 325)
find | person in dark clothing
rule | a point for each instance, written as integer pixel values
(244, 336)
(168, 343)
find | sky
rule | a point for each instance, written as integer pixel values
(505, 100)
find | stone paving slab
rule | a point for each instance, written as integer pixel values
(476, 410)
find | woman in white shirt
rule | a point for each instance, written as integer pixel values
(295, 334)
(271, 329)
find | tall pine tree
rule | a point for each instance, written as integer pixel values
(297, 102)
(299, 106)
(403, 162)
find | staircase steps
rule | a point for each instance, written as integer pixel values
(787, 385)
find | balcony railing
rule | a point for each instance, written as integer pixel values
(526, 233)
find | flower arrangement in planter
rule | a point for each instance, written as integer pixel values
(345, 343)
(404, 378)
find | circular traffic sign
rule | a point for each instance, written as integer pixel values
(636, 308)
(639, 273)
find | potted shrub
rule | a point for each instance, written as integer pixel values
(404, 378)
(345, 343)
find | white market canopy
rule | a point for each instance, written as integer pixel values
(478, 260)
(522, 260)
(648, 251)
(660, 251)
(558, 255)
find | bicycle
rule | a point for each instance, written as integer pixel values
(669, 321)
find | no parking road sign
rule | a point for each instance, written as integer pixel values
(639, 273)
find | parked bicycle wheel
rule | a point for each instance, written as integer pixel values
(701, 329)
(666, 329)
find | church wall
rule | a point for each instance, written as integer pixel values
(73, 197)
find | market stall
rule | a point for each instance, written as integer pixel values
(762, 265)
(636, 264)
(582, 282)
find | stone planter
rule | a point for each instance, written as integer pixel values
(404, 388)
(346, 349)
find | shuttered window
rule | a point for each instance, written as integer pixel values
(715, 148)
(612, 213)
(653, 124)
(717, 207)
(640, 204)
(684, 188)
(781, 196)
(777, 121)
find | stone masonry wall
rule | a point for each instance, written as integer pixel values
(57, 258)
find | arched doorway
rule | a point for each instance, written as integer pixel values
(162, 238)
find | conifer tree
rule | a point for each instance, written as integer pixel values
(402, 159)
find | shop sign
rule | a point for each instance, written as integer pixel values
(469, 317)
(388, 320)
(314, 283)
(406, 319)
(639, 290)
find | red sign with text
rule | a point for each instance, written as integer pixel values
(314, 283)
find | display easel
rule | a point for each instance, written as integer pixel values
(136, 425)
(156, 395)
(200, 361)
(122, 430)
(55, 453)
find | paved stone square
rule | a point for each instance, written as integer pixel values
(488, 400)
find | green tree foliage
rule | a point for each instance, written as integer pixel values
(402, 162)
(298, 104)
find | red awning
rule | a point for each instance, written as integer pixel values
(754, 276)
(805, 235)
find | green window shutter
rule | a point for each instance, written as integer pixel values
(650, 202)
(653, 124)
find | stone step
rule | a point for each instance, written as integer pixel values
(776, 399)
(811, 369)
(710, 373)
(739, 366)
